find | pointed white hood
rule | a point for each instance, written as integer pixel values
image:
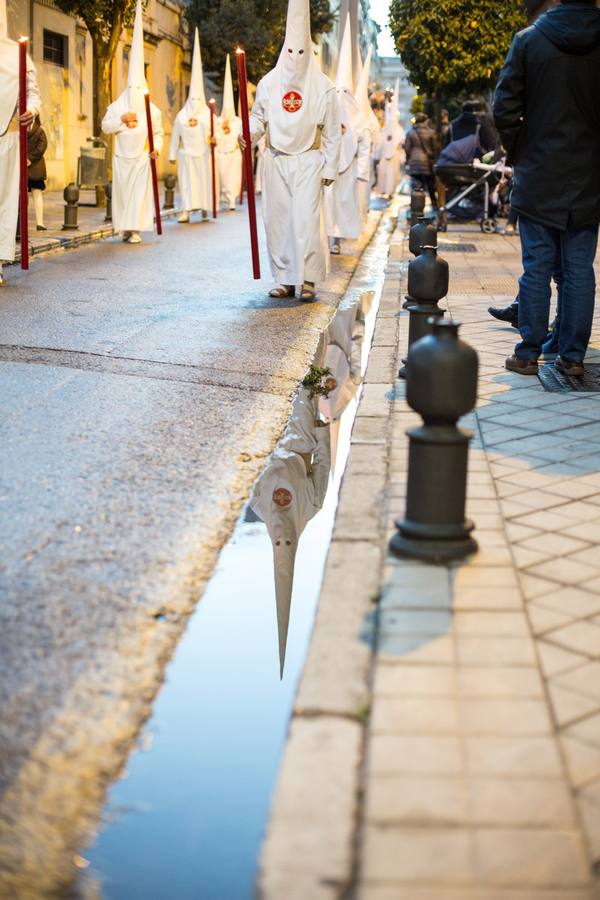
(3, 21)
(362, 97)
(295, 86)
(393, 133)
(136, 78)
(9, 72)
(228, 108)
(196, 105)
(351, 117)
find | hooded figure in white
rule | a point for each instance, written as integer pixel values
(373, 132)
(392, 152)
(132, 198)
(190, 144)
(342, 210)
(296, 108)
(9, 134)
(289, 493)
(229, 155)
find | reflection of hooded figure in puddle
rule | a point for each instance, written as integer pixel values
(392, 142)
(132, 198)
(229, 155)
(288, 494)
(9, 134)
(342, 208)
(190, 144)
(297, 109)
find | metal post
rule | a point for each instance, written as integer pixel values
(108, 194)
(428, 280)
(170, 182)
(71, 197)
(441, 386)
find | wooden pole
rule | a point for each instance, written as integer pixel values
(213, 167)
(23, 178)
(243, 88)
(153, 164)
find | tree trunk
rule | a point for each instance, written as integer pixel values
(102, 83)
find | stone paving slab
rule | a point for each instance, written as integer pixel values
(480, 772)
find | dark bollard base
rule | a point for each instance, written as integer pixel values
(70, 228)
(432, 551)
(403, 370)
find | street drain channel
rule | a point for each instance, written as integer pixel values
(187, 817)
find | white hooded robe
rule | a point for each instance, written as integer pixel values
(342, 208)
(392, 152)
(190, 143)
(229, 155)
(132, 197)
(9, 133)
(297, 108)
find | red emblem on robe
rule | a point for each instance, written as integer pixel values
(292, 101)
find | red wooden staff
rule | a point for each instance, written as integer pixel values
(153, 163)
(243, 89)
(213, 168)
(23, 197)
(243, 160)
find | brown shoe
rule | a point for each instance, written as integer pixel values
(521, 366)
(571, 369)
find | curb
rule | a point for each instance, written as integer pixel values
(309, 848)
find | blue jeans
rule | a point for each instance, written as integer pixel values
(542, 247)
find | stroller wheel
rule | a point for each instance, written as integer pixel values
(488, 226)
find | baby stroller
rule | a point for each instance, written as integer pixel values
(472, 184)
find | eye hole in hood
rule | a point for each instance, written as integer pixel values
(572, 28)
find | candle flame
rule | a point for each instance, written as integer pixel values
(146, 92)
(23, 39)
(239, 50)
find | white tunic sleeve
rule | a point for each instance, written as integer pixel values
(258, 116)
(34, 100)
(331, 136)
(111, 123)
(175, 136)
(157, 130)
(363, 155)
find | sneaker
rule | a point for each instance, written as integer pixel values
(135, 238)
(183, 218)
(571, 369)
(125, 236)
(521, 366)
(505, 314)
(509, 230)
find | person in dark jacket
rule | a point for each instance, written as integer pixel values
(37, 142)
(547, 110)
(420, 150)
(472, 119)
(510, 314)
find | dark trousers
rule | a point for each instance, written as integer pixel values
(542, 246)
(426, 183)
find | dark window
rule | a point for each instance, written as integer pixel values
(55, 48)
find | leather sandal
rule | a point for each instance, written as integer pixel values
(286, 290)
(308, 292)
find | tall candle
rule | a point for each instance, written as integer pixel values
(248, 168)
(213, 168)
(153, 163)
(23, 177)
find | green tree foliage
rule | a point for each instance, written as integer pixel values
(452, 47)
(105, 20)
(256, 25)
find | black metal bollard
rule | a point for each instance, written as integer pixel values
(417, 205)
(422, 234)
(441, 387)
(71, 197)
(170, 182)
(428, 279)
(108, 194)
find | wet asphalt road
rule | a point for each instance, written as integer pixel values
(141, 389)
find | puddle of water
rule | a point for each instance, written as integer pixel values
(187, 818)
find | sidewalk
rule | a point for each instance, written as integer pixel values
(92, 225)
(459, 760)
